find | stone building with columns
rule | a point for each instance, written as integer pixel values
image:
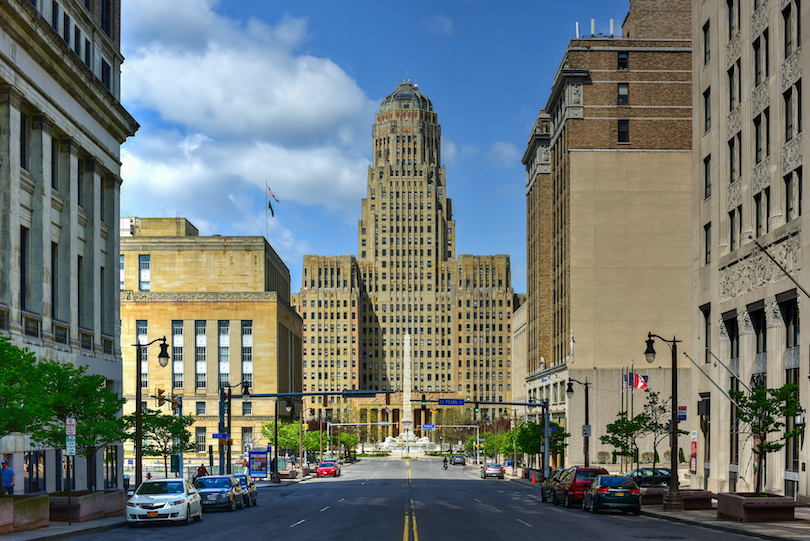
(747, 199)
(61, 128)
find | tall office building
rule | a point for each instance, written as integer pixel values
(747, 196)
(407, 280)
(609, 219)
(61, 128)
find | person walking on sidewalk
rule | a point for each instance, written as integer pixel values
(7, 478)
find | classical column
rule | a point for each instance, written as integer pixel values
(747, 347)
(720, 414)
(775, 339)
(10, 102)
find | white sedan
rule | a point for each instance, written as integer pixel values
(164, 500)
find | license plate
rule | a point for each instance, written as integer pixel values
(212, 497)
(151, 514)
(620, 494)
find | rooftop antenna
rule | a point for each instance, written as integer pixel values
(611, 28)
(593, 26)
(577, 30)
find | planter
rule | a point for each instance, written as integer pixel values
(288, 474)
(697, 499)
(653, 495)
(84, 506)
(115, 501)
(22, 513)
(756, 507)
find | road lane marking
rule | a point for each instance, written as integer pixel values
(297, 523)
(324, 509)
(526, 523)
(363, 483)
(340, 500)
(415, 531)
(479, 501)
(495, 508)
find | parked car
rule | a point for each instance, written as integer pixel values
(644, 477)
(547, 488)
(164, 499)
(220, 491)
(458, 459)
(492, 469)
(612, 492)
(327, 469)
(574, 483)
(334, 461)
(249, 491)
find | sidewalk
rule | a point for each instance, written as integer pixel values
(797, 530)
(61, 530)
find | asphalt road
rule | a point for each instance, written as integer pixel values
(396, 499)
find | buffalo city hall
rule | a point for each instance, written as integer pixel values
(356, 311)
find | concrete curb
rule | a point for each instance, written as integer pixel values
(717, 527)
(73, 533)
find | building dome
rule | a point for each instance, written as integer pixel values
(408, 91)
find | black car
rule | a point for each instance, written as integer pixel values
(249, 491)
(612, 492)
(547, 488)
(220, 491)
(644, 477)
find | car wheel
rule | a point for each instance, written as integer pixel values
(249, 502)
(554, 499)
(542, 496)
(132, 524)
(583, 505)
(637, 511)
(594, 506)
(256, 501)
(188, 516)
(198, 518)
(567, 500)
(233, 505)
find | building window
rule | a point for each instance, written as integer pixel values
(142, 336)
(787, 19)
(200, 354)
(761, 60)
(144, 272)
(623, 61)
(106, 75)
(201, 447)
(106, 16)
(111, 459)
(707, 177)
(25, 142)
(121, 271)
(55, 281)
(733, 13)
(707, 243)
(25, 267)
(247, 351)
(707, 55)
(55, 15)
(200, 409)
(247, 408)
(624, 94)
(732, 228)
(54, 163)
(77, 41)
(707, 109)
(793, 193)
(177, 354)
(624, 131)
(734, 85)
(87, 53)
(788, 101)
(224, 353)
(707, 332)
(758, 215)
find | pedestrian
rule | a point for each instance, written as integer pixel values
(8, 479)
(201, 471)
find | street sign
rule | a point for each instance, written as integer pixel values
(548, 430)
(451, 401)
(428, 427)
(70, 426)
(70, 445)
(220, 436)
(681, 413)
(586, 431)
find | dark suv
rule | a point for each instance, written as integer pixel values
(573, 484)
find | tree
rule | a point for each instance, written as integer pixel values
(657, 417)
(71, 392)
(20, 391)
(623, 433)
(163, 435)
(349, 442)
(764, 412)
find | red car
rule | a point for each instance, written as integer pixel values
(573, 485)
(327, 468)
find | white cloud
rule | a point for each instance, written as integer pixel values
(449, 151)
(503, 154)
(439, 25)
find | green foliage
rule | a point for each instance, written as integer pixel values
(623, 433)
(764, 412)
(163, 435)
(656, 418)
(20, 391)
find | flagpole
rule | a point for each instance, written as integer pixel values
(266, 207)
(624, 388)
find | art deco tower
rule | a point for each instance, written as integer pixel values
(407, 280)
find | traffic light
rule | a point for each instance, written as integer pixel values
(476, 406)
(424, 403)
(160, 398)
(177, 401)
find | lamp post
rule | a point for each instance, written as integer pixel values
(673, 500)
(276, 476)
(569, 392)
(245, 396)
(163, 359)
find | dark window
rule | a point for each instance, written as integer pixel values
(707, 109)
(24, 142)
(77, 41)
(732, 229)
(80, 183)
(707, 243)
(55, 15)
(623, 61)
(66, 28)
(54, 280)
(707, 55)
(624, 94)
(758, 214)
(87, 52)
(787, 19)
(788, 101)
(105, 16)
(707, 177)
(54, 163)
(106, 75)
(624, 131)
(25, 266)
(707, 333)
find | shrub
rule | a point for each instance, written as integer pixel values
(681, 458)
(602, 457)
(667, 456)
(647, 457)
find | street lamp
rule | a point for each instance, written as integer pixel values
(673, 500)
(586, 432)
(163, 359)
(245, 396)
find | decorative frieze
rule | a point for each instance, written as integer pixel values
(792, 154)
(42, 122)
(791, 69)
(9, 95)
(744, 325)
(734, 120)
(761, 175)
(147, 296)
(773, 314)
(760, 98)
(759, 21)
(721, 325)
(734, 195)
(757, 270)
(733, 50)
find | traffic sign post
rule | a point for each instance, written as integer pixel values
(70, 450)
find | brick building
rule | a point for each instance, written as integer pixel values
(608, 216)
(407, 279)
(61, 128)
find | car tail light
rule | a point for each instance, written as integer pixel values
(635, 492)
(603, 490)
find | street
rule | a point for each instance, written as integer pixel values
(396, 499)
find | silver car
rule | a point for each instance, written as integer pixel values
(164, 500)
(492, 470)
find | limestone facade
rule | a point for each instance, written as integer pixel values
(747, 190)
(609, 219)
(61, 128)
(222, 303)
(407, 279)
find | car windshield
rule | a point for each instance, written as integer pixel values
(213, 482)
(624, 482)
(493, 465)
(327, 465)
(161, 487)
(584, 475)
(242, 479)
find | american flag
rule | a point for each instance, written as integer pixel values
(625, 378)
(273, 195)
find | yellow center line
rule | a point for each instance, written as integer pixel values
(405, 531)
(413, 517)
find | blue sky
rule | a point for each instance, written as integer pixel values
(231, 94)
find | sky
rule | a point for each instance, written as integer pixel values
(233, 95)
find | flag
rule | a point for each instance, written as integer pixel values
(270, 203)
(273, 195)
(388, 410)
(639, 381)
(625, 377)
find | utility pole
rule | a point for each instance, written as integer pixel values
(221, 429)
(229, 440)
